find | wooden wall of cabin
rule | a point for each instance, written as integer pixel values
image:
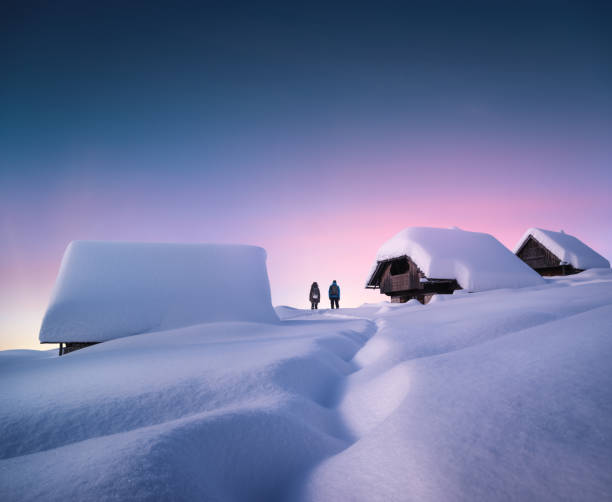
(393, 282)
(536, 255)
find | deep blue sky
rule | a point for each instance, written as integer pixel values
(111, 75)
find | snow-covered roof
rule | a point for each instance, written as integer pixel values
(477, 261)
(566, 247)
(108, 290)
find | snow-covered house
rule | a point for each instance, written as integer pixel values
(107, 290)
(557, 253)
(420, 262)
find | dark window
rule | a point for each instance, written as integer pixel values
(400, 266)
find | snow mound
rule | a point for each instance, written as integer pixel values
(390, 307)
(478, 261)
(440, 298)
(567, 248)
(108, 290)
(287, 312)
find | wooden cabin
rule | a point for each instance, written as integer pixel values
(543, 260)
(401, 279)
(110, 290)
(557, 253)
(419, 262)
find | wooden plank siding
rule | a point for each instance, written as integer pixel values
(400, 279)
(536, 255)
(394, 282)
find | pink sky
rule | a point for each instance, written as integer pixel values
(300, 250)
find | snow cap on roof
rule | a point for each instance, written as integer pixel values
(108, 290)
(476, 260)
(566, 247)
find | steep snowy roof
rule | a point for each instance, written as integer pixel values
(477, 261)
(108, 290)
(566, 247)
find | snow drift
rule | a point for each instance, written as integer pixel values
(500, 395)
(107, 290)
(567, 248)
(477, 261)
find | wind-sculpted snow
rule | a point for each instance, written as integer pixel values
(527, 416)
(501, 395)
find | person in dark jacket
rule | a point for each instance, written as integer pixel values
(315, 296)
(334, 295)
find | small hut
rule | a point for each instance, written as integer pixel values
(420, 262)
(401, 279)
(557, 253)
(108, 290)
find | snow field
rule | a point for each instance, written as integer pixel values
(513, 405)
(498, 395)
(525, 416)
(171, 420)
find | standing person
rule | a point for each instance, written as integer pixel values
(334, 295)
(315, 296)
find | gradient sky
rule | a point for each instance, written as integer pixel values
(315, 131)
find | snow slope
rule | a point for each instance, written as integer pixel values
(477, 261)
(567, 248)
(498, 395)
(106, 290)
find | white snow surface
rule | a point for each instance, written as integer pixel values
(478, 261)
(497, 395)
(108, 290)
(567, 248)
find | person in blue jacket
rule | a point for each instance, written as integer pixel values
(334, 295)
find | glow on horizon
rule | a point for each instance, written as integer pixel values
(316, 226)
